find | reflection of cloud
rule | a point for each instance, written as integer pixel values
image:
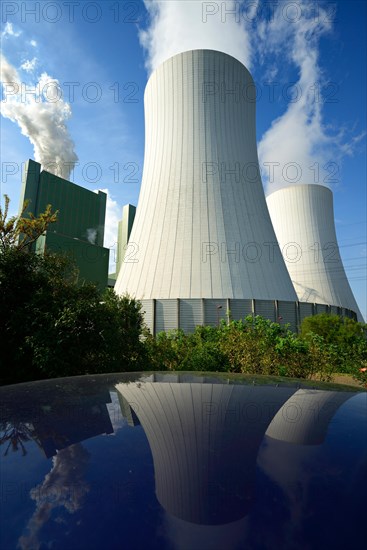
(63, 486)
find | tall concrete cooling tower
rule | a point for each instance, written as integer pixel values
(202, 228)
(303, 219)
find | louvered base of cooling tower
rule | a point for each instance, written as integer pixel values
(165, 315)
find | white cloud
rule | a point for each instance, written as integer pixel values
(113, 216)
(299, 146)
(33, 43)
(177, 26)
(9, 31)
(8, 74)
(41, 115)
(29, 65)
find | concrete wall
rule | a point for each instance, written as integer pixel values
(202, 228)
(303, 219)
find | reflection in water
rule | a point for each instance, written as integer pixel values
(305, 417)
(204, 440)
(228, 459)
(311, 478)
(15, 435)
(63, 486)
(85, 417)
(56, 419)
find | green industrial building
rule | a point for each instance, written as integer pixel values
(79, 229)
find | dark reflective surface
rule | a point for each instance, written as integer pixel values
(186, 462)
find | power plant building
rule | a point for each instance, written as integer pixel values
(204, 243)
(79, 229)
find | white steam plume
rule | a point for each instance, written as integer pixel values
(41, 114)
(177, 26)
(299, 147)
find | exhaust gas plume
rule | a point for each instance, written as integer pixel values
(41, 114)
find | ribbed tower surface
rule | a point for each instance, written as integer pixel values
(303, 219)
(202, 227)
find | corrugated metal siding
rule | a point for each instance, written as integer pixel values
(305, 310)
(212, 312)
(288, 312)
(334, 310)
(265, 308)
(349, 313)
(147, 309)
(166, 315)
(239, 309)
(190, 314)
(321, 308)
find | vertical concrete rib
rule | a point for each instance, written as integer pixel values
(304, 215)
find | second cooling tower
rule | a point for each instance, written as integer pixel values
(202, 227)
(303, 219)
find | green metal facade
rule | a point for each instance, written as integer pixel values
(79, 229)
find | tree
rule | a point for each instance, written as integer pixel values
(51, 326)
(20, 231)
(344, 338)
(333, 328)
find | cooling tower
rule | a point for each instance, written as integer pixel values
(303, 220)
(202, 228)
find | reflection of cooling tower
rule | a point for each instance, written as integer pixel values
(204, 440)
(305, 417)
(303, 220)
(202, 228)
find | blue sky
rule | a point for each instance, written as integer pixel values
(308, 60)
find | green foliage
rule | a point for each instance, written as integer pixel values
(344, 341)
(20, 231)
(259, 346)
(176, 350)
(50, 326)
(336, 330)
